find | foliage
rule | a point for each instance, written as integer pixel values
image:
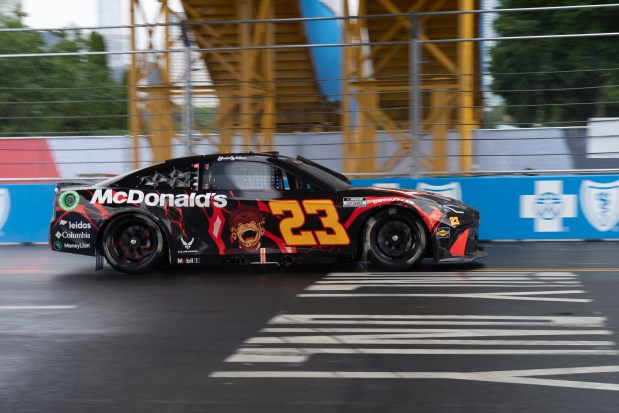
(557, 80)
(62, 95)
(495, 117)
(204, 116)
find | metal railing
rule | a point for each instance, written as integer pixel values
(414, 100)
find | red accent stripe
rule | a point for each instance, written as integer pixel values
(457, 250)
(263, 255)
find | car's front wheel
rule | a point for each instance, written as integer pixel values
(395, 240)
(133, 243)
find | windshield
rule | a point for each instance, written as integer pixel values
(324, 177)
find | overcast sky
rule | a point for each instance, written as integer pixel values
(60, 13)
(44, 14)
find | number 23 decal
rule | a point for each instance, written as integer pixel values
(333, 233)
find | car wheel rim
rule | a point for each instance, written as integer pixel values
(395, 239)
(134, 243)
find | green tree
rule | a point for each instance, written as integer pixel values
(62, 95)
(565, 81)
(18, 76)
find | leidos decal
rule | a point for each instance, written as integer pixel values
(135, 196)
(75, 225)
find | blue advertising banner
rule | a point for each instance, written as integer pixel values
(531, 207)
(25, 212)
(512, 207)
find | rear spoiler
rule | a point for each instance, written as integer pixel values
(67, 184)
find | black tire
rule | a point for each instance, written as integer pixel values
(395, 240)
(133, 243)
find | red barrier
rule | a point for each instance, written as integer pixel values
(26, 158)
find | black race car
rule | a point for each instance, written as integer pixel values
(256, 208)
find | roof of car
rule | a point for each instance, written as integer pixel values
(232, 156)
(304, 167)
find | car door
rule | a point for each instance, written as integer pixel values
(272, 212)
(246, 226)
(310, 217)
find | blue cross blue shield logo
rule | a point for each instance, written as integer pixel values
(452, 189)
(600, 204)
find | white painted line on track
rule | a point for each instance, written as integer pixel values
(513, 376)
(455, 332)
(292, 339)
(354, 318)
(352, 282)
(27, 271)
(522, 296)
(37, 307)
(407, 319)
(547, 270)
(356, 339)
(300, 355)
(408, 330)
(513, 280)
(461, 274)
(419, 285)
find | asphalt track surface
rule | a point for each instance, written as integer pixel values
(533, 327)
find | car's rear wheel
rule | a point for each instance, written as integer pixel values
(395, 239)
(133, 243)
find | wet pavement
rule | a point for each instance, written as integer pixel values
(532, 327)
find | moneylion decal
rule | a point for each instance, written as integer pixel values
(68, 200)
(600, 204)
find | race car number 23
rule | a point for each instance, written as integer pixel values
(332, 232)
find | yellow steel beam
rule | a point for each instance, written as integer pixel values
(265, 142)
(444, 92)
(244, 12)
(440, 115)
(466, 63)
(348, 53)
(150, 107)
(213, 39)
(223, 122)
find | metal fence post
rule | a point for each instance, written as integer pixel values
(188, 102)
(414, 107)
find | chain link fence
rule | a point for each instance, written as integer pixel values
(370, 94)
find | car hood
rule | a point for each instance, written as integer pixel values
(413, 194)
